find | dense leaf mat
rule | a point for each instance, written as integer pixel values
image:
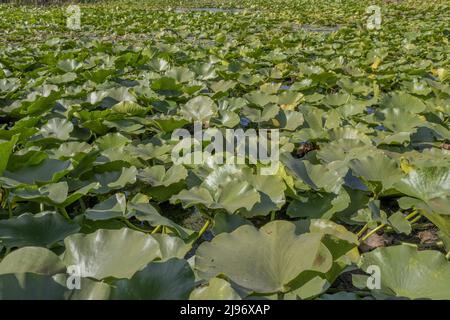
(93, 206)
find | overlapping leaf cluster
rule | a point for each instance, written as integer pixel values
(87, 178)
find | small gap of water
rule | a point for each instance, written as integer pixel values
(370, 110)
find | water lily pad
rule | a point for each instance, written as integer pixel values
(220, 190)
(30, 286)
(216, 289)
(377, 167)
(158, 176)
(110, 253)
(57, 128)
(113, 207)
(49, 170)
(264, 260)
(172, 247)
(88, 290)
(317, 177)
(43, 229)
(32, 260)
(224, 222)
(431, 185)
(318, 205)
(146, 212)
(406, 272)
(403, 101)
(199, 109)
(6, 148)
(170, 280)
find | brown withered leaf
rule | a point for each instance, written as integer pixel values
(376, 241)
(427, 236)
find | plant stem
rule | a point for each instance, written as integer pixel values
(416, 219)
(156, 229)
(381, 226)
(361, 232)
(6, 198)
(10, 210)
(204, 228)
(82, 205)
(3, 196)
(65, 214)
(412, 214)
(272, 215)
